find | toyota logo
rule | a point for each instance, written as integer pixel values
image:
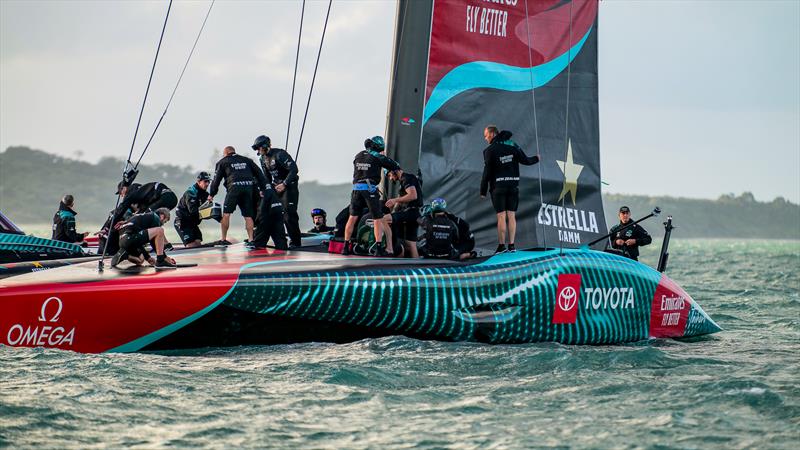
(567, 298)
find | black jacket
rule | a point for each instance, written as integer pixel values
(367, 167)
(189, 205)
(140, 222)
(408, 181)
(237, 170)
(440, 237)
(634, 232)
(279, 167)
(466, 239)
(141, 195)
(64, 225)
(323, 229)
(501, 160)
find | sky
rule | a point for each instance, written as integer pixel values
(697, 98)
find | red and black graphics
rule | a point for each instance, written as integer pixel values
(670, 310)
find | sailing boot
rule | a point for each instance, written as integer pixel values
(163, 263)
(511, 248)
(120, 256)
(500, 249)
(348, 248)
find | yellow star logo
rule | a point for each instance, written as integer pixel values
(571, 173)
(38, 265)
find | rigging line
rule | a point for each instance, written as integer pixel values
(535, 121)
(169, 102)
(313, 79)
(566, 121)
(138, 122)
(294, 79)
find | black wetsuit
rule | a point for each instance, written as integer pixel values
(281, 169)
(366, 176)
(187, 216)
(440, 236)
(241, 176)
(466, 240)
(269, 222)
(64, 225)
(633, 232)
(501, 160)
(322, 230)
(405, 219)
(148, 196)
(134, 235)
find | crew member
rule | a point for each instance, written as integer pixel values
(631, 238)
(143, 197)
(281, 171)
(465, 244)
(366, 176)
(320, 218)
(501, 160)
(136, 232)
(406, 210)
(269, 221)
(440, 233)
(187, 216)
(241, 176)
(64, 222)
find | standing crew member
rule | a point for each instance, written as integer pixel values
(406, 209)
(320, 218)
(281, 171)
(269, 221)
(136, 232)
(64, 222)
(630, 239)
(366, 177)
(187, 216)
(241, 174)
(441, 233)
(501, 160)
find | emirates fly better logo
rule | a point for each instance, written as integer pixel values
(566, 305)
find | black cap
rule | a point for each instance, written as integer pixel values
(203, 176)
(261, 141)
(624, 209)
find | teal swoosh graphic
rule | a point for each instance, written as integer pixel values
(485, 74)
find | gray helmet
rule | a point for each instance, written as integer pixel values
(262, 141)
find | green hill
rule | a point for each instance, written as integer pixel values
(33, 181)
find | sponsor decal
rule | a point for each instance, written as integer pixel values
(407, 121)
(669, 310)
(567, 298)
(46, 331)
(608, 298)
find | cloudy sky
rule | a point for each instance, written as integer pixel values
(697, 98)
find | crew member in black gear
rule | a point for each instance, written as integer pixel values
(366, 176)
(143, 197)
(64, 222)
(320, 218)
(187, 216)
(281, 172)
(440, 233)
(406, 210)
(269, 221)
(242, 176)
(465, 244)
(501, 160)
(136, 232)
(630, 239)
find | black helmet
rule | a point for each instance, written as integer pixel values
(262, 141)
(375, 143)
(318, 212)
(203, 176)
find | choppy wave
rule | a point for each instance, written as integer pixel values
(736, 389)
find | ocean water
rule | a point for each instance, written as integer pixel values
(736, 389)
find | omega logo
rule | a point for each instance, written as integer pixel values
(54, 318)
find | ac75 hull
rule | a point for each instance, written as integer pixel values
(236, 297)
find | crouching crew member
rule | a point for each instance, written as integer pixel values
(269, 221)
(440, 233)
(465, 244)
(64, 222)
(320, 218)
(281, 171)
(630, 239)
(406, 210)
(143, 197)
(501, 160)
(187, 216)
(241, 175)
(367, 166)
(136, 232)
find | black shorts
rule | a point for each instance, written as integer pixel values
(188, 233)
(366, 199)
(134, 243)
(505, 199)
(241, 196)
(405, 225)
